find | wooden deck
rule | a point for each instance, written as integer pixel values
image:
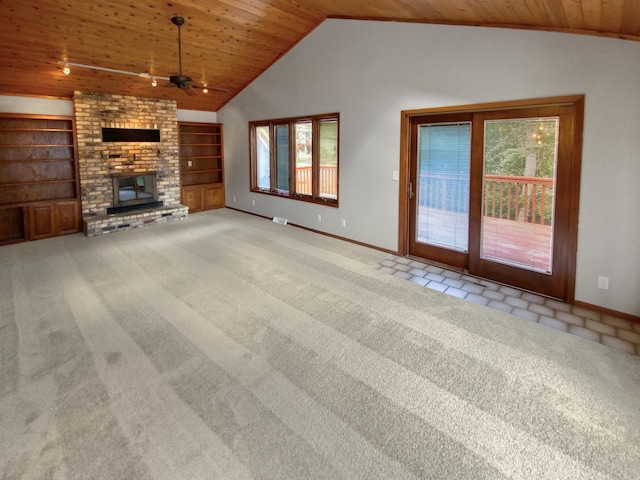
(522, 244)
(526, 245)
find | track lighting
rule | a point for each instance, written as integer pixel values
(154, 80)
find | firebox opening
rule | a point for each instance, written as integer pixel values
(131, 192)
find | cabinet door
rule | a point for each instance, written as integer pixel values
(12, 227)
(213, 197)
(41, 221)
(192, 198)
(67, 218)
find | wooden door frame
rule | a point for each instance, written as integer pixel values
(576, 160)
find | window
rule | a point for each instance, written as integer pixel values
(296, 158)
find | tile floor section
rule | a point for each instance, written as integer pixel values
(612, 331)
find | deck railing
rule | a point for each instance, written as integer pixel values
(328, 180)
(525, 199)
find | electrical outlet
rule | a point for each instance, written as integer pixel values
(603, 283)
(319, 217)
(343, 223)
(189, 163)
(234, 198)
(253, 202)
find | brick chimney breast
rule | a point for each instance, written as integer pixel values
(98, 160)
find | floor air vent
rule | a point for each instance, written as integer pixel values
(280, 220)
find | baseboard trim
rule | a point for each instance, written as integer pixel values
(577, 303)
(607, 311)
(338, 237)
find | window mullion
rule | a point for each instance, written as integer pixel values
(253, 157)
(315, 158)
(292, 158)
(272, 157)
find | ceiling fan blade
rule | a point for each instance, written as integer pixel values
(189, 91)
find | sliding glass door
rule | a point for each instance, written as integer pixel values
(518, 192)
(440, 189)
(490, 192)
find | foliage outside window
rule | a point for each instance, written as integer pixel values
(296, 157)
(524, 149)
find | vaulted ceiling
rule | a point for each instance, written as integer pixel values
(228, 43)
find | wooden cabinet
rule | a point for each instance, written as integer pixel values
(39, 193)
(192, 198)
(67, 216)
(203, 197)
(213, 196)
(12, 225)
(53, 219)
(34, 221)
(41, 221)
(201, 165)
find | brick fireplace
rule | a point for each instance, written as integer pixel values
(99, 161)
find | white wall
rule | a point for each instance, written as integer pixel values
(35, 105)
(370, 71)
(197, 116)
(48, 106)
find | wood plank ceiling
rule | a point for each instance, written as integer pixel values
(228, 43)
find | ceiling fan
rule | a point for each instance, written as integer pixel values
(183, 82)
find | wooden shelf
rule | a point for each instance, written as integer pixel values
(26, 204)
(202, 182)
(39, 192)
(195, 128)
(18, 121)
(185, 130)
(203, 171)
(29, 160)
(208, 178)
(38, 182)
(44, 145)
(200, 144)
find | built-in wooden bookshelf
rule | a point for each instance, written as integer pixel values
(39, 192)
(201, 165)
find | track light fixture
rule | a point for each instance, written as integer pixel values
(154, 80)
(110, 70)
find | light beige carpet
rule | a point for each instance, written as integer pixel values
(226, 346)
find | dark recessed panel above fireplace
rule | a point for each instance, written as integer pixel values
(130, 135)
